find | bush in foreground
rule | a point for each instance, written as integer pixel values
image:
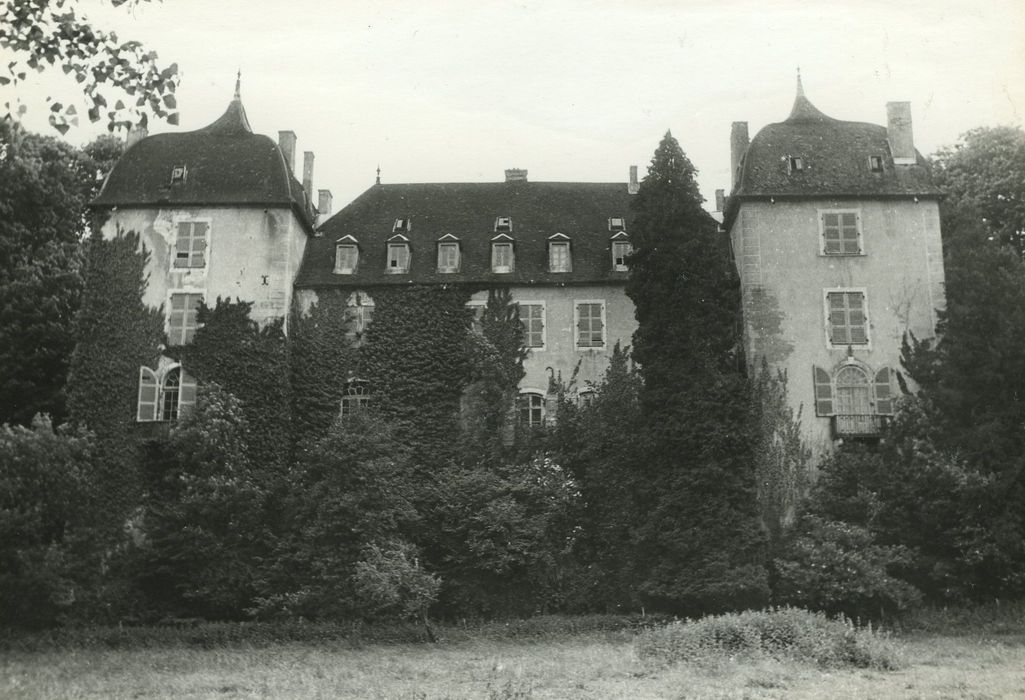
(784, 633)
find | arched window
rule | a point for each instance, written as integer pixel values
(356, 398)
(165, 394)
(531, 409)
(855, 398)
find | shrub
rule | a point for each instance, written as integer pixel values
(390, 580)
(784, 634)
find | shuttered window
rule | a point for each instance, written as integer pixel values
(884, 392)
(590, 324)
(165, 395)
(182, 318)
(848, 322)
(532, 316)
(841, 233)
(190, 247)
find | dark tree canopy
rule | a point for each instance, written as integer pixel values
(121, 80)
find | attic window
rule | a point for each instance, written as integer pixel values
(402, 225)
(178, 174)
(503, 224)
(795, 164)
(875, 164)
(617, 225)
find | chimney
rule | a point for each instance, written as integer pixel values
(324, 202)
(720, 200)
(308, 174)
(515, 175)
(739, 141)
(135, 134)
(286, 142)
(898, 130)
(633, 186)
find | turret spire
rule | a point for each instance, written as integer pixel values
(804, 110)
(378, 174)
(800, 87)
(238, 85)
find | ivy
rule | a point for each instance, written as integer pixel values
(116, 334)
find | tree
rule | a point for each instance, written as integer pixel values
(119, 79)
(983, 177)
(45, 187)
(699, 542)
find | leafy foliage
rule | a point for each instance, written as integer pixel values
(699, 541)
(109, 71)
(390, 579)
(45, 187)
(115, 334)
(45, 507)
(203, 521)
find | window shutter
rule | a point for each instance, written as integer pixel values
(884, 392)
(186, 394)
(823, 392)
(146, 411)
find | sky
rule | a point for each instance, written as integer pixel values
(571, 90)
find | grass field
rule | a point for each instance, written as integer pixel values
(954, 663)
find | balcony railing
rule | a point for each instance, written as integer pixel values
(857, 425)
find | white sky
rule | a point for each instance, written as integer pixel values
(573, 90)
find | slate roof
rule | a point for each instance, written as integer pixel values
(227, 165)
(468, 212)
(835, 154)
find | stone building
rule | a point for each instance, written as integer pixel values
(836, 234)
(221, 215)
(559, 247)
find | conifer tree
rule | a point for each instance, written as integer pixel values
(698, 544)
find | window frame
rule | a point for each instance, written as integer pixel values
(178, 222)
(156, 380)
(352, 402)
(349, 243)
(449, 242)
(396, 243)
(544, 323)
(621, 241)
(476, 322)
(796, 164)
(577, 303)
(822, 213)
(863, 291)
(185, 336)
(560, 241)
(872, 160)
(530, 394)
(503, 224)
(503, 240)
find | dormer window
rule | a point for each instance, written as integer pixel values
(178, 174)
(346, 258)
(502, 254)
(559, 259)
(402, 225)
(621, 250)
(398, 255)
(448, 254)
(617, 224)
(875, 164)
(503, 224)
(795, 164)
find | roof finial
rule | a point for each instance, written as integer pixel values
(800, 87)
(378, 173)
(238, 85)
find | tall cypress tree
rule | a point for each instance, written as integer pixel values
(698, 545)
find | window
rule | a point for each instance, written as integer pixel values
(841, 232)
(590, 317)
(181, 319)
(178, 174)
(586, 397)
(503, 224)
(620, 251)
(190, 247)
(795, 164)
(531, 409)
(477, 315)
(360, 310)
(558, 256)
(448, 256)
(846, 318)
(398, 258)
(875, 164)
(532, 316)
(617, 224)
(857, 401)
(402, 225)
(165, 394)
(356, 398)
(502, 256)
(346, 258)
